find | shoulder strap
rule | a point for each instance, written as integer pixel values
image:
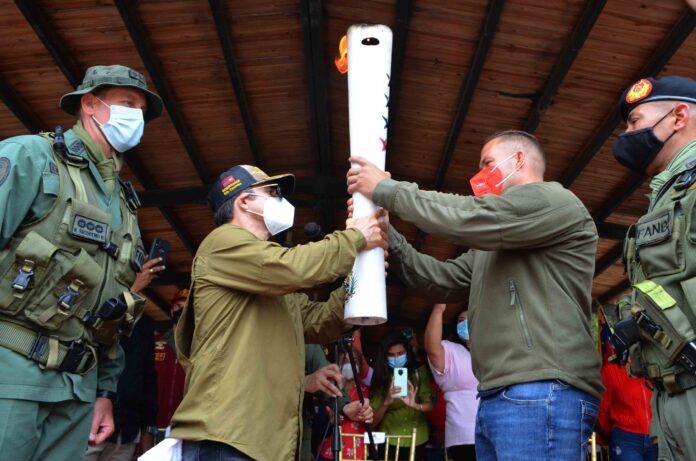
(685, 181)
(130, 195)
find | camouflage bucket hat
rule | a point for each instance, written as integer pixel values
(101, 76)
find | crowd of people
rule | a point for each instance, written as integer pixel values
(518, 376)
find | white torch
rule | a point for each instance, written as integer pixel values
(369, 65)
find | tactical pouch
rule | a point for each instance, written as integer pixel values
(674, 330)
(132, 255)
(63, 291)
(83, 226)
(26, 274)
(658, 243)
(110, 331)
(689, 289)
(629, 253)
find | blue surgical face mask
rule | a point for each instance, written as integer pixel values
(397, 362)
(463, 330)
(124, 128)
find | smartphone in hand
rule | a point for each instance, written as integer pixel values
(401, 381)
(159, 249)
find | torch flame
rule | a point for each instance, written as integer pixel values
(342, 61)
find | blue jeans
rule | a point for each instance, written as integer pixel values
(543, 420)
(629, 446)
(207, 450)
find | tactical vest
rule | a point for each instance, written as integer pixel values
(65, 278)
(660, 260)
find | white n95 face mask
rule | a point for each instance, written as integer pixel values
(125, 127)
(278, 215)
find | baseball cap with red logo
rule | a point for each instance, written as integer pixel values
(241, 177)
(671, 88)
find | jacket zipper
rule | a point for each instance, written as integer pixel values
(516, 302)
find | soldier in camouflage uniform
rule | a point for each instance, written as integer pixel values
(70, 250)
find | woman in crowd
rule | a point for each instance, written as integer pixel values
(399, 415)
(450, 363)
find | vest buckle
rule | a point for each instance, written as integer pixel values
(74, 361)
(111, 249)
(67, 300)
(22, 282)
(38, 349)
(131, 196)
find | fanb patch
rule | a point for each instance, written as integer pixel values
(655, 230)
(5, 167)
(89, 229)
(640, 90)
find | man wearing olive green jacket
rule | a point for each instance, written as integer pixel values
(242, 332)
(527, 280)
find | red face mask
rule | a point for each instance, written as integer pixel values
(490, 180)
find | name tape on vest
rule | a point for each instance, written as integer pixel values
(89, 229)
(655, 230)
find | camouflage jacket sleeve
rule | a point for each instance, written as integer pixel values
(322, 321)
(534, 215)
(110, 367)
(438, 281)
(234, 258)
(29, 182)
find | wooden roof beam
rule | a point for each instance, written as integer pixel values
(570, 51)
(614, 291)
(183, 279)
(608, 259)
(611, 231)
(490, 25)
(157, 300)
(319, 185)
(403, 16)
(620, 196)
(20, 110)
(312, 16)
(71, 71)
(129, 14)
(657, 61)
(224, 32)
(133, 162)
(47, 34)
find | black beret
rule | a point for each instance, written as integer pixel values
(649, 89)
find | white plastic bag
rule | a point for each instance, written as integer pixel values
(166, 450)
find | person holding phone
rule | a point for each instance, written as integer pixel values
(399, 410)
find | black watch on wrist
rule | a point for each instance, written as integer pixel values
(107, 395)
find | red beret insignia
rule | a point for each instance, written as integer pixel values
(640, 90)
